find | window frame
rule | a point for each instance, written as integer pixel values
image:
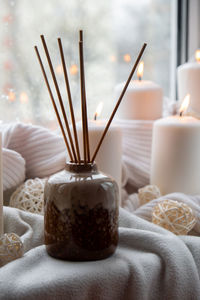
(188, 24)
(186, 38)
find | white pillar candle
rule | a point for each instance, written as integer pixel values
(188, 82)
(143, 99)
(1, 187)
(109, 157)
(175, 165)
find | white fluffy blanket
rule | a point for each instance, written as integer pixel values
(29, 152)
(150, 262)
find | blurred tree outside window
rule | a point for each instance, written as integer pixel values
(114, 32)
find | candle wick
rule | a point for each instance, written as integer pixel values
(95, 117)
(181, 113)
(140, 78)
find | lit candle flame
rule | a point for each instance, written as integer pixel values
(140, 70)
(197, 55)
(98, 110)
(127, 58)
(185, 104)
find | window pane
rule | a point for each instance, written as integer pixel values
(114, 32)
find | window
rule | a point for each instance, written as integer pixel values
(114, 32)
(188, 29)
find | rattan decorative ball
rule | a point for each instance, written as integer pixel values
(11, 248)
(148, 193)
(30, 196)
(174, 216)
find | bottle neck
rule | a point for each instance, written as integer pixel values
(81, 168)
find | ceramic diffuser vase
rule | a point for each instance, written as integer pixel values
(81, 213)
(81, 204)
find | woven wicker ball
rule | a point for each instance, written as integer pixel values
(11, 248)
(175, 216)
(148, 193)
(30, 196)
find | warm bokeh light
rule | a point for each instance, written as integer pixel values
(113, 58)
(7, 18)
(197, 55)
(59, 69)
(73, 70)
(23, 98)
(127, 58)
(98, 110)
(185, 104)
(140, 70)
(7, 65)
(11, 96)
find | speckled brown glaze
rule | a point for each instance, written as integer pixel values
(81, 214)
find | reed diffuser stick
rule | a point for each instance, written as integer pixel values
(82, 109)
(84, 97)
(119, 101)
(59, 96)
(69, 98)
(54, 104)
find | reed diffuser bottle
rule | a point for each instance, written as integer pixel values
(81, 204)
(81, 213)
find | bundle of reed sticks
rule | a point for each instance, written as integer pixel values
(73, 144)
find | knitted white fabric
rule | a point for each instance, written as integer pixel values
(136, 147)
(43, 151)
(40, 153)
(13, 168)
(36, 151)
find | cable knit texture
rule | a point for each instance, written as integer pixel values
(136, 146)
(30, 151)
(37, 152)
(13, 168)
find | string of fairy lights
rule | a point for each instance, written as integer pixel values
(73, 70)
(8, 88)
(9, 91)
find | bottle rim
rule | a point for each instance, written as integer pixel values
(81, 167)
